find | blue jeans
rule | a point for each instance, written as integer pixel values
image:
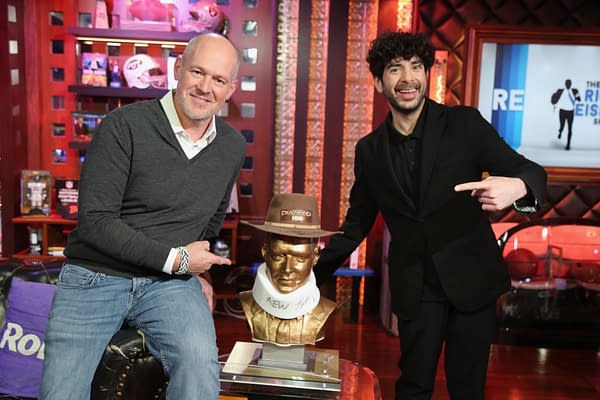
(90, 307)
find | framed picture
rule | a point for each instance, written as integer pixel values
(540, 88)
(93, 69)
(36, 189)
(67, 196)
(85, 124)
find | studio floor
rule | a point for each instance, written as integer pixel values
(515, 372)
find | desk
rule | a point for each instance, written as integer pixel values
(356, 274)
(357, 383)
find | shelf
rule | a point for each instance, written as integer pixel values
(123, 92)
(81, 145)
(134, 36)
(52, 219)
(126, 36)
(53, 233)
(229, 224)
(24, 255)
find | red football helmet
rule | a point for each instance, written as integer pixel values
(148, 10)
(521, 263)
(588, 272)
(205, 16)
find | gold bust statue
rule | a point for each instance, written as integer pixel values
(285, 306)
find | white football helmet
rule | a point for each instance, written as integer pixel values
(141, 71)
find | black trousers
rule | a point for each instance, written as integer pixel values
(466, 339)
(566, 116)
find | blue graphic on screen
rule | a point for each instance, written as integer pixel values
(509, 91)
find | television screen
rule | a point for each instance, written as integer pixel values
(85, 124)
(544, 99)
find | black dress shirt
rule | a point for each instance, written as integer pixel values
(406, 157)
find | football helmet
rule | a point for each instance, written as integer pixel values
(148, 10)
(142, 71)
(205, 16)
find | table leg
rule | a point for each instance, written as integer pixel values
(354, 298)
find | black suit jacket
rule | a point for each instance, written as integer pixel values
(450, 227)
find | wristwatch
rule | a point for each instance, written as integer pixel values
(184, 264)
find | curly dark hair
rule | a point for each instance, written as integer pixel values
(391, 45)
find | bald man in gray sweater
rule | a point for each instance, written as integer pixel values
(154, 187)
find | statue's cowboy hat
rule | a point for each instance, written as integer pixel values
(293, 214)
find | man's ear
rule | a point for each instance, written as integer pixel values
(378, 85)
(317, 254)
(178, 68)
(232, 88)
(263, 249)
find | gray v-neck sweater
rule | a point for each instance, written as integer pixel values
(140, 196)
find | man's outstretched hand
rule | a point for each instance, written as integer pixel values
(495, 193)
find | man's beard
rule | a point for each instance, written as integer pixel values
(402, 107)
(395, 104)
(191, 112)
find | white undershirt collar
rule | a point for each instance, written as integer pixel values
(285, 305)
(189, 147)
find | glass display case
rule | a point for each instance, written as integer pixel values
(554, 266)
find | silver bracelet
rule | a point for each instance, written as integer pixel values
(184, 264)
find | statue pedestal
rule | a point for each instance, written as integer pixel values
(298, 371)
(291, 357)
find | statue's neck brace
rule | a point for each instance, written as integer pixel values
(284, 305)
